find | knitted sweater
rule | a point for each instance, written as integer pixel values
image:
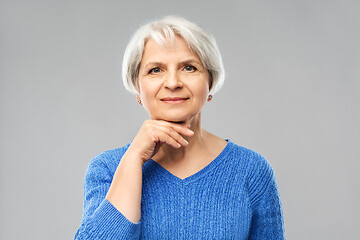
(234, 197)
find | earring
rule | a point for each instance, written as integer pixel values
(209, 98)
(139, 101)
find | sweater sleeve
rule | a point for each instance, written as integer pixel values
(100, 219)
(267, 219)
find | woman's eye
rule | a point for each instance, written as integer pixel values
(155, 70)
(190, 68)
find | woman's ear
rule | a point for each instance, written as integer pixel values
(138, 99)
(210, 81)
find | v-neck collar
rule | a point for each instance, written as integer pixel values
(204, 171)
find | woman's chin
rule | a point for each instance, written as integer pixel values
(174, 119)
(177, 117)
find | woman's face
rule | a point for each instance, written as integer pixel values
(173, 83)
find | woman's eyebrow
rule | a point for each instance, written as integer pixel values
(153, 64)
(190, 61)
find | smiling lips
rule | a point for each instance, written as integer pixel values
(174, 100)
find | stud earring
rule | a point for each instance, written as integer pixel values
(139, 101)
(209, 98)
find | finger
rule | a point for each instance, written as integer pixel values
(183, 129)
(173, 134)
(165, 138)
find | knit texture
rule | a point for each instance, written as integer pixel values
(234, 197)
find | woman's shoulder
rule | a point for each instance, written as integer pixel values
(247, 158)
(108, 159)
(258, 171)
(245, 153)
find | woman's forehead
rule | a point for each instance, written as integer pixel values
(177, 48)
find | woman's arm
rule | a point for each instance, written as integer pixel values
(267, 219)
(112, 204)
(125, 189)
(101, 220)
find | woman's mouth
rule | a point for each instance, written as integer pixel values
(173, 100)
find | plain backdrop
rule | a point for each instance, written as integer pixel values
(292, 93)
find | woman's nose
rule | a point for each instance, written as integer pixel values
(173, 81)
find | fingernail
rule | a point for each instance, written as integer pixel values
(190, 131)
(186, 141)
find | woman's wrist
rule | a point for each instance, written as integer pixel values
(134, 156)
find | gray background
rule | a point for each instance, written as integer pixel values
(291, 93)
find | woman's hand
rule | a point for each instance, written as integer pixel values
(154, 133)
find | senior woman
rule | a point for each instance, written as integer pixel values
(175, 180)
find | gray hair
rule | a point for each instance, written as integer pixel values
(169, 27)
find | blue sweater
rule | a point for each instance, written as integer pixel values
(234, 197)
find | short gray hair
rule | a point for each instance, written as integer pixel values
(198, 40)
